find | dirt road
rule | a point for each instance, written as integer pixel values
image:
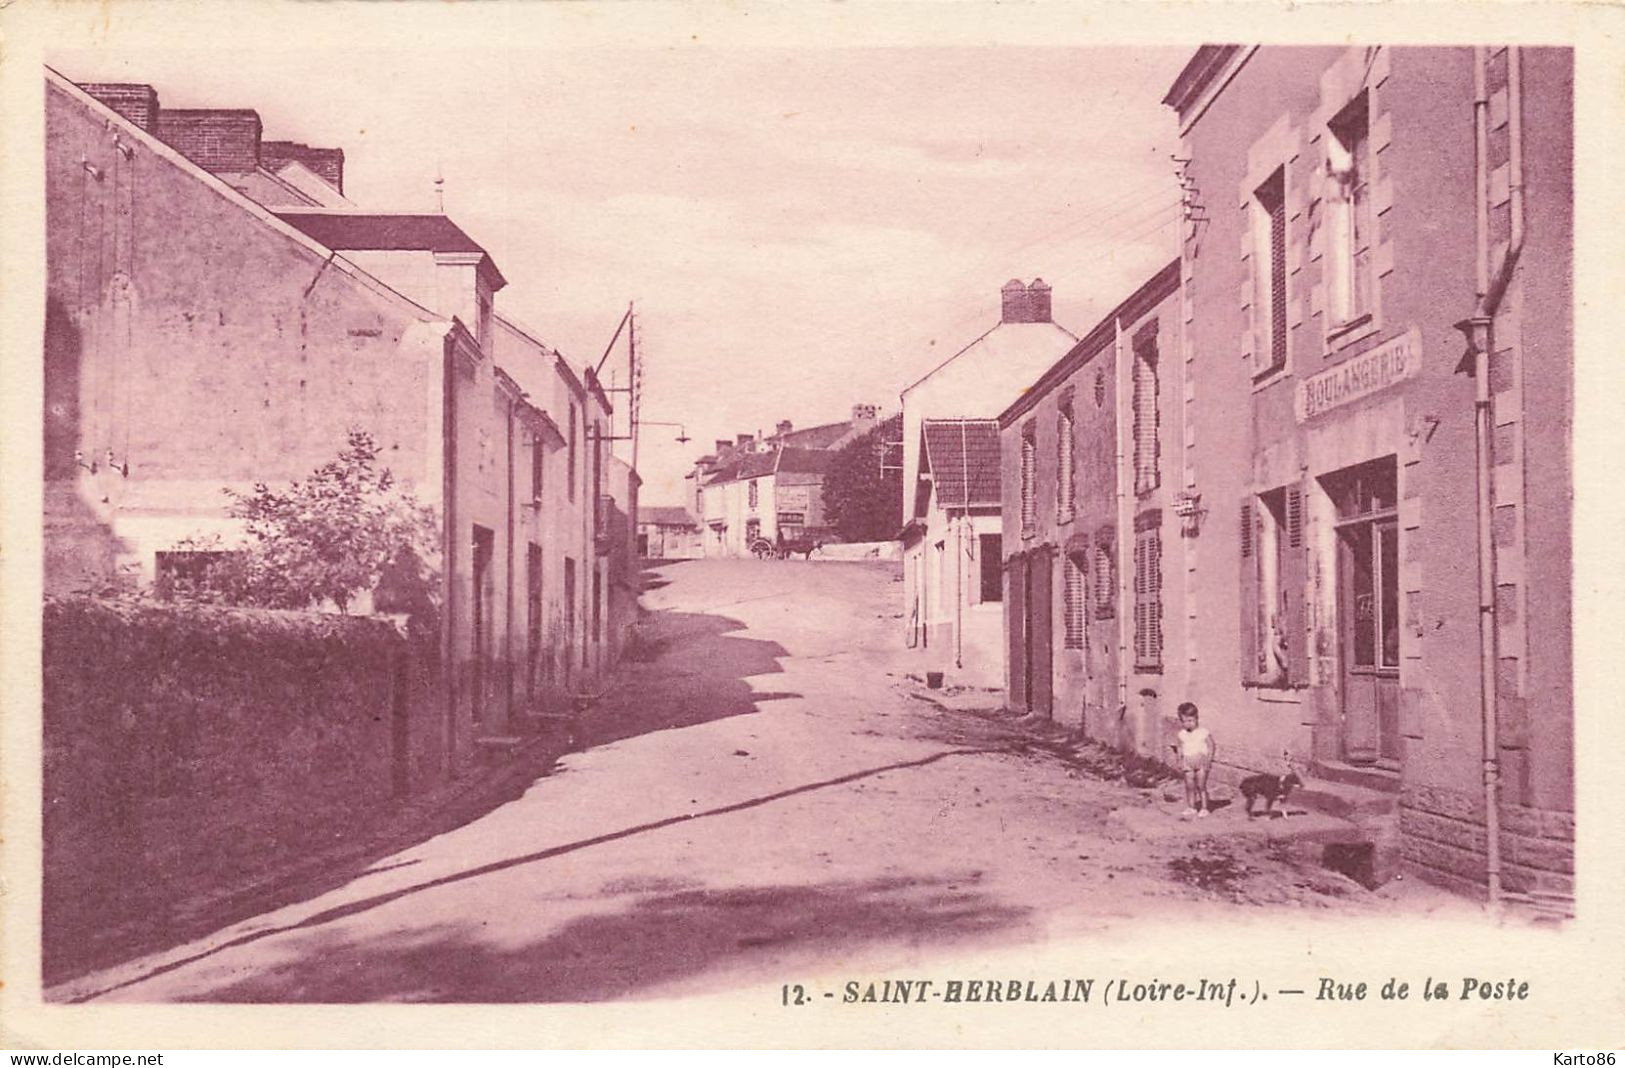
(761, 794)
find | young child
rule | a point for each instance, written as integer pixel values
(1194, 753)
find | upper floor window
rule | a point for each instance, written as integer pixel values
(483, 327)
(572, 464)
(1029, 476)
(1269, 274)
(538, 456)
(1147, 416)
(1350, 221)
(754, 493)
(1066, 481)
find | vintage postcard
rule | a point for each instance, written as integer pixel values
(811, 525)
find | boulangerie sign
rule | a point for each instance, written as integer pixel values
(1392, 361)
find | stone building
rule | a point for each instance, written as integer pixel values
(1089, 515)
(666, 532)
(957, 541)
(753, 489)
(977, 382)
(1377, 370)
(217, 321)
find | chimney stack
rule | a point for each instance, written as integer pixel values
(723, 445)
(864, 416)
(1025, 304)
(783, 428)
(328, 163)
(134, 101)
(745, 441)
(216, 139)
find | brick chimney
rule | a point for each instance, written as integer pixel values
(134, 101)
(1025, 304)
(216, 139)
(1038, 300)
(783, 428)
(864, 416)
(745, 441)
(723, 445)
(328, 163)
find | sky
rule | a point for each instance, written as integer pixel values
(802, 229)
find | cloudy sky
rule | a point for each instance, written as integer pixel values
(801, 228)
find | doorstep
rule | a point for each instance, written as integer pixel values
(1163, 821)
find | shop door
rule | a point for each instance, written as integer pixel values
(1368, 614)
(1016, 636)
(483, 588)
(1040, 629)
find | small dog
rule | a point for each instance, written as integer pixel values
(1271, 788)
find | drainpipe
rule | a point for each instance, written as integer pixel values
(959, 587)
(1479, 330)
(507, 618)
(448, 551)
(1125, 560)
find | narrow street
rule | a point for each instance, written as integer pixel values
(762, 791)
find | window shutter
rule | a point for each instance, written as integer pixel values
(1278, 283)
(1248, 630)
(1154, 598)
(1015, 619)
(1294, 583)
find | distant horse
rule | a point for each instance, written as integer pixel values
(805, 546)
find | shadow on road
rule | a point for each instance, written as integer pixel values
(682, 669)
(352, 908)
(656, 939)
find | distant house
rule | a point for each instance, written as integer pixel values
(749, 490)
(957, 543)
(668, 533)
(975, 384)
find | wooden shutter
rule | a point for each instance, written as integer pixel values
(1043, 627)
(1246, 536)
(1294, 583)
(1015, 617)
(1074, 604)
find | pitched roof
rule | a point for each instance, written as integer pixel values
(757, 464)
(368, 231)
(1009, 346)
(666, 515)
(963, 458)
(816, 437)
(805, 461)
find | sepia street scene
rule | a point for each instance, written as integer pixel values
(535, 536)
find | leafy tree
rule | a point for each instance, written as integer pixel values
(345, 529)
(862, 501)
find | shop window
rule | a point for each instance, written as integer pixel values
(1148, 593)
(1350, 221)
(1075, 601)
(1274, 571)
(1269, 275)
(991, 549)
(1147, 438)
